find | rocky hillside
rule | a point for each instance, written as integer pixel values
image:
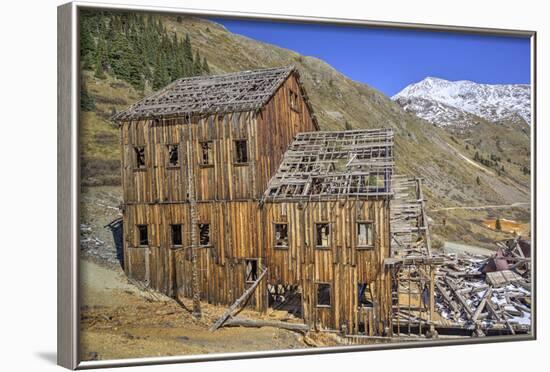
(451, 175)
(462, 103)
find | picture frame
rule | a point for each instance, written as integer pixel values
(68, 179)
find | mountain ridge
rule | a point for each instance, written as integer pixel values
(447, 103)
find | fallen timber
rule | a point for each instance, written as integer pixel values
(236, 305)
(492, 302)
(255, 323)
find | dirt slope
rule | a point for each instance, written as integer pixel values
(120, 320)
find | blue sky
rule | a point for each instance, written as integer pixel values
(389, 60)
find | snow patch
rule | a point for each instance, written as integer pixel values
(445, 103)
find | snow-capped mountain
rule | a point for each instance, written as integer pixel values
(461, 103)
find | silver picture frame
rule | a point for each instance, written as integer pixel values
(68, 184)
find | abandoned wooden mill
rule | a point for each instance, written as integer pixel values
(232, 195)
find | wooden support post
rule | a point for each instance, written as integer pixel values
(424, 218)
(409, 316)
(432, 293)
(194, 225)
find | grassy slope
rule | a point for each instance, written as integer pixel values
(421, 148)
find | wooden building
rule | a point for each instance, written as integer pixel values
(238, 162)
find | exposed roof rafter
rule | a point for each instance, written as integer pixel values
(332, 165)
(234, 92)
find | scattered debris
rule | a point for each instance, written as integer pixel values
(468, 298)
(467, 294)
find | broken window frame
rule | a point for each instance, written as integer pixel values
(172, 234)
(326, 301)
(316, 237)
(209, 151)
(170, 148)
(251, 276)
(293, 99)
(363, 302)
(209, 230)
(363, 246)
(142, 240)
(280, 246)
(238, 159)
(140, 162)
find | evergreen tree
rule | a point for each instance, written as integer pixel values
(347, 125)
(100, 60)
(476, 156)
(478, 181)
(87, 102)
(205, 67)
(498, 227)
(197, 66)
(160, 75)
(87, 44)
(137, 49)
(188, 54)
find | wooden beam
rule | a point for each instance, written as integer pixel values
(242, 322)
(460, 298)
(446, 296)
(482, 303)
(237, 303)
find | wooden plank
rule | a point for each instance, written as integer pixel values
(482, 303)
(459, 297)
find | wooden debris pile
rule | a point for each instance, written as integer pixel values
(454, 294)
(469, 298)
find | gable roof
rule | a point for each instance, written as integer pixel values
(336, 164)
(234, 92)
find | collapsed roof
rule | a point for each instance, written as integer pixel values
(234, 92)
(329, 165)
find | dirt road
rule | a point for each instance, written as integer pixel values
(475, 207)
(452, 247)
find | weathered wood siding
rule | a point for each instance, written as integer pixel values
(235, 235)
(224, 179)
(240, 231)
(268, 134)
(341, 264)
(278, 123)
